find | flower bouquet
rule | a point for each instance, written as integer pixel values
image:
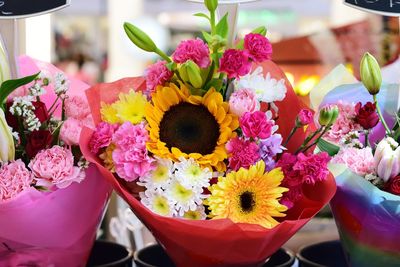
(212, 157)
(366, 163)
(51, 199)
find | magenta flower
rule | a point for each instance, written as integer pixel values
(157, 74)
(256, 125)
(313, 167)
(14, 178)
(258, 46)
(242, 101)
(305, 117)
(195, 50)
(235, 63)
(130, 155)
(102, 137)
(242, 153)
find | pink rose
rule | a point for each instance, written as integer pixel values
(157, 74)
(76, 107)
(195, 50)
(55, 166)
(258, 46)
(102, 137)
(242, 153)
(243, 101)
(235, 63)
(14, 178)
(256, 124)
(71, 132)
(305, 117)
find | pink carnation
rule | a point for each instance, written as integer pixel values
(71, 132)
(359, 161)
(258, 46)
(14, 178)
(313, 167)
(130, 155)
(195, 50)
(256, 125)
(102, 137)
(235, 63)
(243, 100)
(242, 153)
(55, 166)
(76, 107)
(157, 74)
(344, 124)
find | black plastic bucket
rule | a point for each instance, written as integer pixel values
(155, 256)
(108, 254)
(325, 254)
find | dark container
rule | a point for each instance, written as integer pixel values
(324, 254)
(108, 254)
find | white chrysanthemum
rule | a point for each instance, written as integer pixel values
(160, 177)
(185, 199)
(158, 202)
(197, 214)
(61, 84)
(191, 175)
(266, 88)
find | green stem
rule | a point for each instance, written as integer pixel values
(163, 55)
(290, 135)
(53, 105)
(308, 139)
(366, 141)
(327, 128)
(212, 22)
(378, 109)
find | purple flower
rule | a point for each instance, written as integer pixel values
(269, 148)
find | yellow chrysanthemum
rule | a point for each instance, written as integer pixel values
(130, 107)
(190, 126)
(106, 156)
(248, 196)
(109, 114)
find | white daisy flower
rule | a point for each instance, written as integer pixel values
(197, 214)
(160, 177)
(266, 88)
(189, 174)
(185, 199)
(158, 202)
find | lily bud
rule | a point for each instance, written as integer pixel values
(5, 72)
(182, 70)
(194, 74)
(211, 5)
(328, 115)
(370, 73)
(387, 159)
(139, 38)
(7, 148)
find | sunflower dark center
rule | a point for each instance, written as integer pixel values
(191, 128)
(247, 201)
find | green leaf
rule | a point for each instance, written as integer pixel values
(222, 27)
(139, 38)
(240, 45)
(207, 36)
(260, 30)
(202, 15)
(171, 66)
(9, 86)
(328, 147)
(215, 83)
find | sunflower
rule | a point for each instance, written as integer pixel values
(190, 126)
(248, 196)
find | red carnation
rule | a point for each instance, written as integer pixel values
(393, 186)
(366, 115)
(36, 141)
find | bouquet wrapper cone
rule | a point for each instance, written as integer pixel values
(53, 228)
(212, 242)
(368, 221)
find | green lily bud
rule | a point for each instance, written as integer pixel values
(217, 41)
(194, 74)
(7, 148)
(211, 5)
(370, 73)
(139, 38)
(328, 115)
(182, 70)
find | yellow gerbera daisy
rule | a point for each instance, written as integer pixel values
(248, 196)
(130, 107)
(109, 114)
(190, 126)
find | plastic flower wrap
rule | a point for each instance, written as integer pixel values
(206, 151)
(366, 163)
(50, 211)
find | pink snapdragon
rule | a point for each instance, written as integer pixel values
(242, 101)
(130, 155)
(55, 166)
(102, 137)
(242, 153)
(157, 74)
(193, 49)
(256, 125)
(359, 161)
(14, 178)
(258, 46)
(235, 63)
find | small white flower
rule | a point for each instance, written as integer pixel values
(36, 90)
(157, 202)
(61, 84)
(266, 88)
(83, 163)
(23, 107)
(191, 175)
(375, 180)
(197, 214)
(185, 199)
(160, 177)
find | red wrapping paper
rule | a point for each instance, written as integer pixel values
(215, 242)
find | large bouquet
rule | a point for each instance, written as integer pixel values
(364, 140)
(213, 157)
(51, 200)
